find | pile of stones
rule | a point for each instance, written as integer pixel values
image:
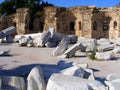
(45, 39)
(103, 48)
(67, 45)
(7, 35)
(65, 76)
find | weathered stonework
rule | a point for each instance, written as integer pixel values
(22, 20)
(83, 21)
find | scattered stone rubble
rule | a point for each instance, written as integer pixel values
(104, 48)
(74, 76)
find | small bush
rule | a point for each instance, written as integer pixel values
(91, 55)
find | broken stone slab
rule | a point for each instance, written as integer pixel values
(91, 47)
(83, 47)
(30, 43)
(63, 82)
(106, 47)
(24, 40)
(13, 83)
(4, 53)
(78, 72)
(104, 55)
(9, 31)
(73, 71)
(44, 38)
(116, 50)
(60, 36)
(113, 81)
(103, 41)
(88, 43)
(33, 36)
(72, 50)
(9, 39)
(73, 39)
(113, 85)
(50, 44)
(112, 77)
(35, 79)
(61, 48)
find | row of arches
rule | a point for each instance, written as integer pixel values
(95, 25)
(105, 25)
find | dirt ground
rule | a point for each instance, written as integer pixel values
(22, 59)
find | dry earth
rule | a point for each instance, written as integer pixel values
(22, 59)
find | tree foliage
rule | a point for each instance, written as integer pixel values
(10, 6)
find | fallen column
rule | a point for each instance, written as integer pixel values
(60, 49)
(9, 31)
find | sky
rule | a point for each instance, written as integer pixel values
(71, 3)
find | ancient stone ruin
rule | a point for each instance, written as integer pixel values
(83, 21)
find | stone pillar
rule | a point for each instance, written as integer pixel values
(50, 18)
(87, 25)
(22, 22)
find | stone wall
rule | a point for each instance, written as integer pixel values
(22, 20)
(84, 21)
(7, 21)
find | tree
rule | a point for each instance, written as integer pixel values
(10, 6)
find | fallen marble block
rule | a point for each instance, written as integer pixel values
(73, 39)
(88, 43)
(113, 81)
(83, 47)
(63, 82)
(78, 72)
(60, 36)
(116, 50)
(104, 55)
(24, 40)
(112, 77)
(44, 38)
(91, 47)
(72, 50)
(9, 39)
(4, 53)
(12, 83)
(35, 79)
(33, 36)
(61, 48)
(30, 43)
(50, 44)
(113, 85)
(9, 31)
(103, 41)
(105, 47)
